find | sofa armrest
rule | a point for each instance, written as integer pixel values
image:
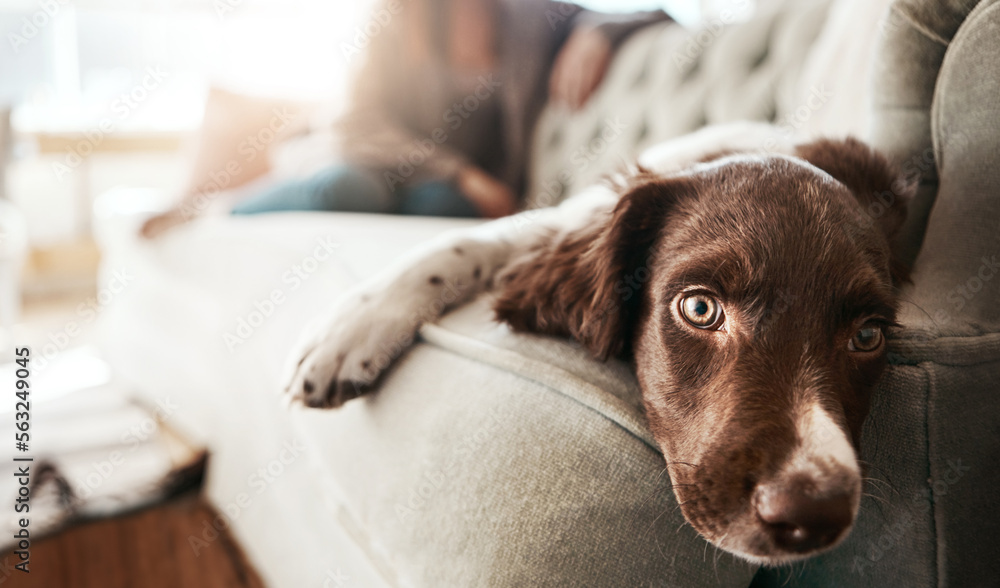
(931, 441)
(957, 275)
(952, 310)
(957, 288)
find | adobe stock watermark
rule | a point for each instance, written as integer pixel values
(889, 24)
(580, 159)
(7, 568)
(389, 350)
(775, 309)
(707, 34)
(912, 172)
(423, 149)
(920, 504)
(224, 7)
(377, 23)
(249, 149)
(433, 481)
(792, 121)
(100, 472)
(86, 312)
(123, 106)
(336, 579)
(33, 24)
(560, 13)
(965, 292)
(626, 288)
(293, 278)
(257, 483)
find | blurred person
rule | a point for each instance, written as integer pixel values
(442, 112)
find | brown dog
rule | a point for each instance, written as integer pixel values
(752, 291)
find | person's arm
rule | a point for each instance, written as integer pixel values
(491, 196)
(371, 139)
(583, 61)
(223, 159)
(617, 27)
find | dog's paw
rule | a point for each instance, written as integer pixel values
(340, 357)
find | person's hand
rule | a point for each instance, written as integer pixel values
(580, 67)
(161, 223)
(491, 196)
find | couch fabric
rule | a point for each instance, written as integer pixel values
(493, 459)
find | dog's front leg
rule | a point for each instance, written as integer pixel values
(342, 354)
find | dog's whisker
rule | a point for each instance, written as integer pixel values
(718, 554)
(653, 523)
(875, 484)
(873, 497)
(879, 504)
(659, 547)
(918, 307)
(675, 509)
(638, 509)
(885, 478)
(788, 578)
(876, 492)
(797, 569)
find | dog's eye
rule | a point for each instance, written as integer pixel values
(867, 339)
(703, 312)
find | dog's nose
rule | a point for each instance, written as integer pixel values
(799, 518)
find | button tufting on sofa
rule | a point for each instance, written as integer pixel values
(691, 77)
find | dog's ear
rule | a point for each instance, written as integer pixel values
(585, 284)
(883, 192)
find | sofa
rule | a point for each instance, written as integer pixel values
(488, 458)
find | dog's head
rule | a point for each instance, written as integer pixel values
(754, 293)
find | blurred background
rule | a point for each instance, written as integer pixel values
(103, 94)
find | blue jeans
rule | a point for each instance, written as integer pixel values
(345, 188)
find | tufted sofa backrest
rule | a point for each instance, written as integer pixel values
(667, 81)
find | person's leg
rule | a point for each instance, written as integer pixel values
(437, 198)
(338, 188)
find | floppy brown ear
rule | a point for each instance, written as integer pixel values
(577, 284)
(881, 189)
